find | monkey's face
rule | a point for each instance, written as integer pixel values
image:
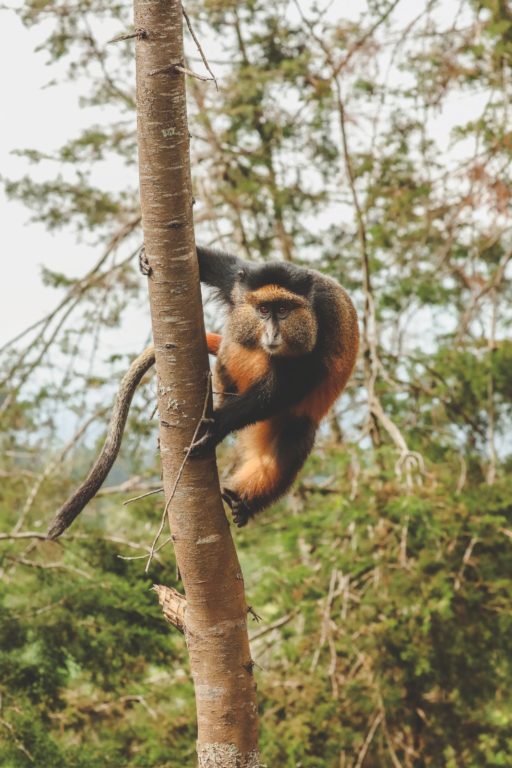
(286, 329)
(280, 322)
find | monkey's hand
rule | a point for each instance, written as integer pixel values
(144, 267)
(206, 443)
(240, 510)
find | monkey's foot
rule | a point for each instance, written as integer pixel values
(239, 509)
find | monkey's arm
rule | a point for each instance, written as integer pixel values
(256, 404)
(267, 397)
(219, 269)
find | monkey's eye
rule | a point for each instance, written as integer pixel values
(264, 310)
(282, 311)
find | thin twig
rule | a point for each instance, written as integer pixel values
(51, 467)
(83, 284)
(201, 52)
(326, 617)
(275, 625)
(74, 296)
(9, 727)
(50, 566)
(180, 472)
(142, 496)
(24, 535)
(362, 40)
(132, 484)
(142, 557)
(101, 56)
(140, 34)
(371, 733)
(465, 561)
(190, 73)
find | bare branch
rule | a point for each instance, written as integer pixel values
(90, 279)
(190, 73)
(196, 41)
(144, 495)
(369, 738)
(275, 625)
(366, 36)
(19, 744)
(148, 550)
(24, 535)
(465, 561)
(50, 566)
(140, 34)
(174, 605)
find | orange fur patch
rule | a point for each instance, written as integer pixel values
(269, 293)
(258, 472)
(244, 366)
(213, 341)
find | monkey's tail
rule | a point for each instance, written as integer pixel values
(103, 464)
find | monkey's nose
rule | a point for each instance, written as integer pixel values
(273, 339)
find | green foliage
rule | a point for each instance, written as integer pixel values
(415, 632)
(57, 201)
(84, 654)
(392, 610)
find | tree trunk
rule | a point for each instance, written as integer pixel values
(216, 610)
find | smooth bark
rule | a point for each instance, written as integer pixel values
(216, 610)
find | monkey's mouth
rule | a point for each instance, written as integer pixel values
(273, 349)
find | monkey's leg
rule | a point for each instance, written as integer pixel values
(272, 453)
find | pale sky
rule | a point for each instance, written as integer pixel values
(41, 118)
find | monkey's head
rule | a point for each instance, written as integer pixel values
(273, 316)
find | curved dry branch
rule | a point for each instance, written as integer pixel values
(103, 464)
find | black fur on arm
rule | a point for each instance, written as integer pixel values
(286, 384)
(268, 396)
(256, 404)
(219, 269)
